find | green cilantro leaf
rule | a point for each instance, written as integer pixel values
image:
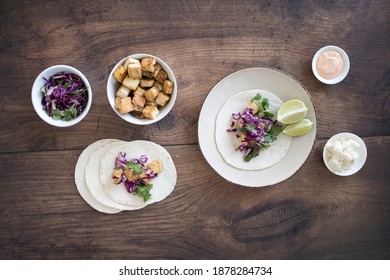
(56, 114)
(272, 133)
(257, 97)
(252, 154)
(67, 84)
(70, 113)
(137, 169)
(268, 139)
(144, 191)
(263, 105)
(43, 90)
(258, 101)
(76, 92)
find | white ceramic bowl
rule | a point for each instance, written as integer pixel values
(36, 95)
(113, 85)
(343, 73)
(362, 150)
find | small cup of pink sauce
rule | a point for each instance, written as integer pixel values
(330, 65)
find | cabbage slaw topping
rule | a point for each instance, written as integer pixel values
(257, 131)
(64, 96)
(139, 183)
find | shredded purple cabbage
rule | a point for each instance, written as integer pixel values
(65, 96)
(142, 160)
(149, 174)
(131, 186)
(121, 160)
(255, 132)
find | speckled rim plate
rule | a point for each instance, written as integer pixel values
(282, 85)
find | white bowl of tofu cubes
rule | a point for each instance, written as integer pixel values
(141, 89)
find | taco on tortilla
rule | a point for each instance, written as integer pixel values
(261, 145)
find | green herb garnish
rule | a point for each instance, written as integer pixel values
(144, 191)
(137, 168)
(70, 114)
(257, 131)
(263, 105)
(56, 114)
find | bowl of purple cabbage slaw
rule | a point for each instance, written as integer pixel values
(61, 95)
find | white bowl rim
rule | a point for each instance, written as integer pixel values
(344, 72)
(128, 117)
(362, 154)
(39, 82)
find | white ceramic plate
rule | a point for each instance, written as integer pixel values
(283, 86)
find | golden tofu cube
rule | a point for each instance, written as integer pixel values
(147, 75)
(162, 99)
(153, 103)
(151, 94)
(138, 114)
(122, 92)
(120, 73)
(139, 91)
(117, 103)
(138, 102)
(144, 176)
(157, 69)
(117, 176)
(253, 107)
(161, 76)
(168, 87)
(129, 61)
(156, 166)
(146, 83)
(125, 105)
(129, 175)
(150, 112)
(137, 111)
(131, 83)
(158, 85)
(148, 63)
(134, 71)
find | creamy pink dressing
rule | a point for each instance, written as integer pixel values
(330, 64)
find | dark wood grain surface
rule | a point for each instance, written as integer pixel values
(312, 215)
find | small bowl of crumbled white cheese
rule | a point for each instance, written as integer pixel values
(345, 154)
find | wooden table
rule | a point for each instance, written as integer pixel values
(312, 215)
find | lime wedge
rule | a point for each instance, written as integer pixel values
(299, 128)
(292, 111)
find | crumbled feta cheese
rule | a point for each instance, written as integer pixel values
(342, 154)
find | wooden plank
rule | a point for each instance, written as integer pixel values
(314, 214)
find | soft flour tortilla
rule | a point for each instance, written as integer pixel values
(92, 177)
(80, 178)
(227, 142)
(163, 185)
